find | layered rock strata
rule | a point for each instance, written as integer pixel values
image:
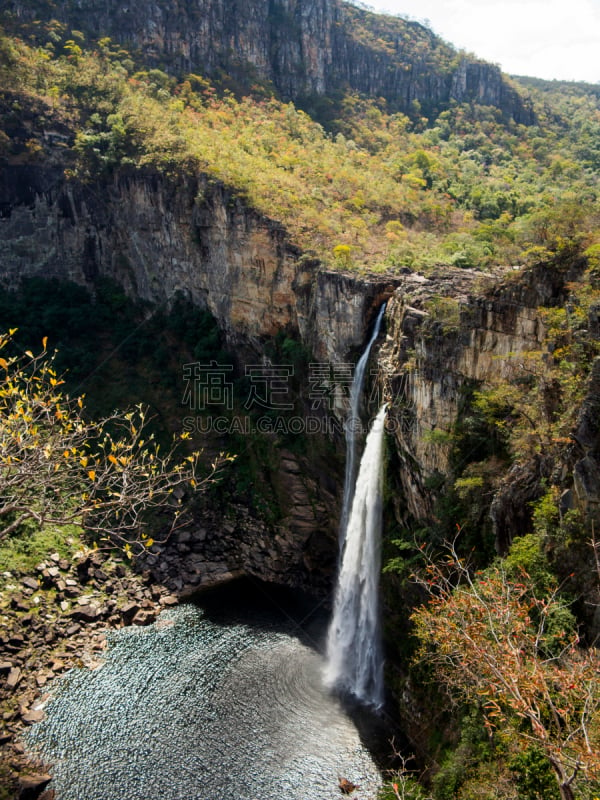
(302, 48)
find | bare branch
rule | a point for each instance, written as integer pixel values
(487, 638)
(110, 475)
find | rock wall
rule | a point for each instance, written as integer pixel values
(158, 237)
(343, 307)
(302, 47)
(446, 333)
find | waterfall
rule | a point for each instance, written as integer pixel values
(354, 654)
(352, 428)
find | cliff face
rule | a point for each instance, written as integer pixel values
(448, 334)
(158, 237)
(426, 363)
(302, 47)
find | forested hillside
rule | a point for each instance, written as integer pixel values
(309, 52)
(372, 190)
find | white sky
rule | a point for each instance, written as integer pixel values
(540, 38)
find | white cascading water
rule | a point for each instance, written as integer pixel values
(354, 659)
(353, 426)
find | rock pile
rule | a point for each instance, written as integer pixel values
(218, 548)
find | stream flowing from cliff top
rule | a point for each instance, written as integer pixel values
(224, 699)
(353, 427)
(354, 652)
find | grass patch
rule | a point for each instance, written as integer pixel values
(20, 554)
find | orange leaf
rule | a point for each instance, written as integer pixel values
(92, 475)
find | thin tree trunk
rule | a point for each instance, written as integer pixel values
(564, 783)
(566, 793)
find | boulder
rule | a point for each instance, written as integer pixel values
(14, 676)
(32, 716)
(85, 613)
(144, 617)
(169, 600)
(129, 611)
(30, 786)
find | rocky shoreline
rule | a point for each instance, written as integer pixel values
(55, 617)
(53, 620)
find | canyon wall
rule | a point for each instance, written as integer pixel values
(158, 237)
(445, 332)
(301, 48)
(455, 331)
